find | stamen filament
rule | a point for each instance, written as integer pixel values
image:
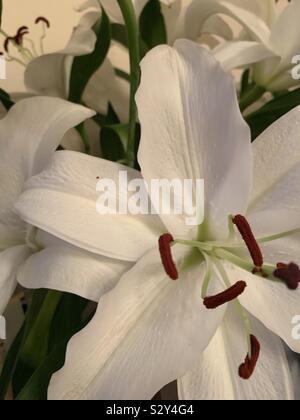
(208, 275)
(30, 41)
(223, 254)
(195, 244)
(231, 228)
(278, 236)
(238, 306)
(10, 58)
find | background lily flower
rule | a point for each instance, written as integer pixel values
(48, 74)
(150, 330)
(271, 41)
(29, 134)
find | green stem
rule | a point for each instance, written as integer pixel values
(132, 28)
(251, 96)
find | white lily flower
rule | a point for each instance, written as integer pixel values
(149, 330)
(29, 134)
(48, 74)
(273, 41)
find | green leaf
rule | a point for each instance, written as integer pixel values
(0, 12)
(260, 120)
(133, 35)
(245, 82)
(84, 67)
(70, 310)
(110, 119)
(122, 74)
(13, 355)
(10, 364)
(5, 99)
(113, 141)
(119, 34)
(152, 25)
(36, 388)
(35, 344)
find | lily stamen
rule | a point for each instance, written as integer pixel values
(247, 369)
(7, 42)
(46, 25)
(250, 241)
(165, 242)
(289, 273)
(213, 302)
(20, 35)
(42, 19)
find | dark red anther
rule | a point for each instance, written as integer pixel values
(7, 41)
(247, 369)
(20, 35)
(249, 239)
(289, 273)
(42, 19)
(213, 302)
(23, 29)
(165, 242)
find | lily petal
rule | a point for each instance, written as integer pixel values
(185, 128)
(10, 260)
(200, 11)
(25, 146)
(105, 87)
(276, 152)
(236, 54)
(216, 375)
(285, 32)
(68, 269)
(264, 9)
(148, 331)
(49, 74)
(67, 189)
(271, 302)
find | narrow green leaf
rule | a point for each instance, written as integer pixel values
(133, 36)
(35, 345)
(119, 34)
(113, 141)
(245, 82)
(110, 119)
(85, 66)
(13, 355)
(272, 111)
(37, 387)
(152, 25)
(123, 75)
(5, 99)
(10, 364)
(70, 310)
